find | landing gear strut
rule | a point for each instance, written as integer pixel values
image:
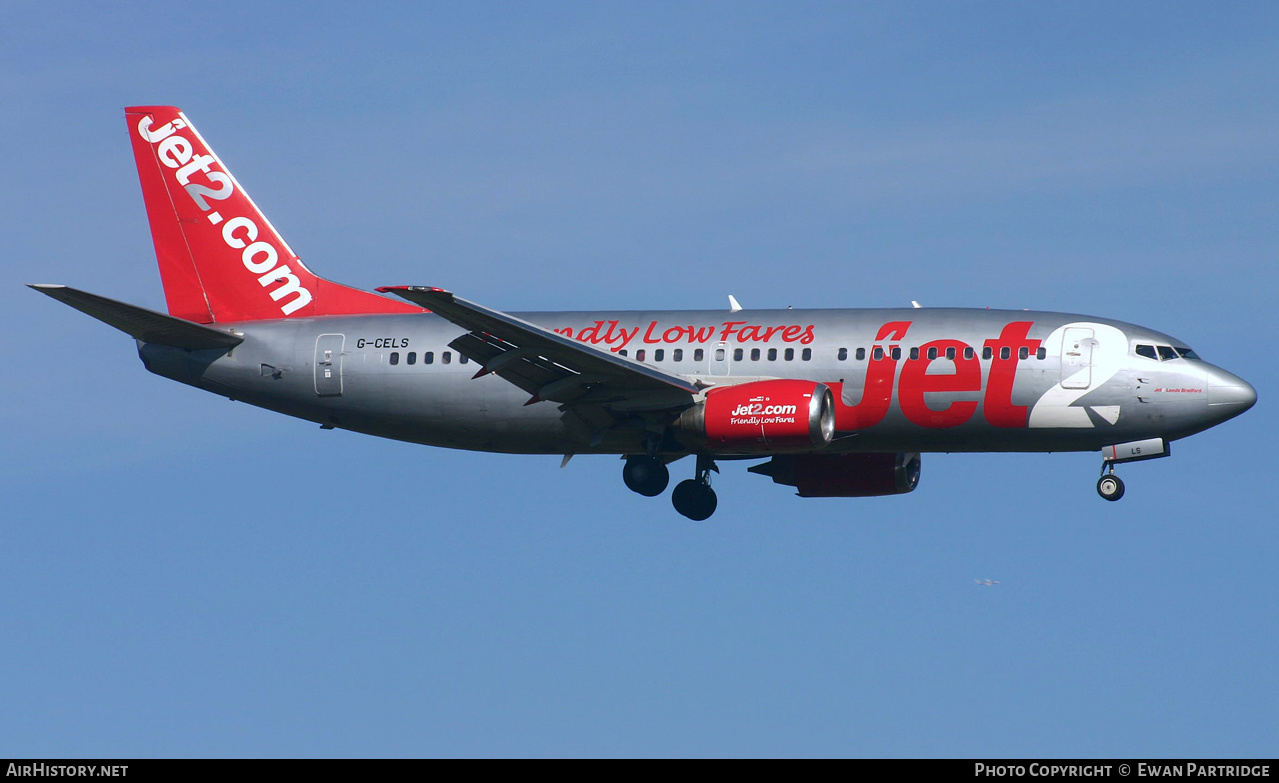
(694, 497)
(646, 475)
(1109, 486)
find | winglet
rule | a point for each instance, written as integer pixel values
(733, 306)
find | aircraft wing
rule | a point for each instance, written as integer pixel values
(550, 366)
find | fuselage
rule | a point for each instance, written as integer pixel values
(902, 379)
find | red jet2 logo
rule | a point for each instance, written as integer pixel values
(915, 381)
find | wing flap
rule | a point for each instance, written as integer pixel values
(522, 367)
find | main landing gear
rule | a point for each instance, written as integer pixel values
(694, 497)
(1109, 486)
(646, 475)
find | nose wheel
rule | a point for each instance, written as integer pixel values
(694, 497)
(1110, 486)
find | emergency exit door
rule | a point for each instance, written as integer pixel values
(720, 362)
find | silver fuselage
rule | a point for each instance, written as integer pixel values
(1065, 383)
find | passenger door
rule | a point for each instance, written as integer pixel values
(1076, 358)
(328, 364)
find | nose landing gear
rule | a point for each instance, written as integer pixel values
(1110, 486)
(694, 497)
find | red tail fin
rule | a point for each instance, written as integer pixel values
(220, 258)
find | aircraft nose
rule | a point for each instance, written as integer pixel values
(1229, 394)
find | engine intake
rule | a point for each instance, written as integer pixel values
(844, 475)
(762, 416)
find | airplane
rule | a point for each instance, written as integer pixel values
(837, 403)
(987, 582)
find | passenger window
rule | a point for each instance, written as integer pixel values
(719, 354)
(737, 354)
(446, 357)
(950, 353)
(1023, 352)
(658, 354)
(932, 354)
(412, 357)
(807, 354)
(1042, 353)
(843, 354)
(677, 354)
(699, 354)
(428, 357)
(985, 353)
(790, 354)
(1005, 352)
(878, 353)
(968, 352)
(754, 354)
(461, 358)
(772, 354)
(897, 353)
(1186, 353)
(1147, 351)
(914, 353)
(861, 354)
(395, 357)
(639, 355)
(1166, 353)
(624, 352)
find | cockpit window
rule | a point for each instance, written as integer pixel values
(1165, 353)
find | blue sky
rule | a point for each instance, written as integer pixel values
(186, 576)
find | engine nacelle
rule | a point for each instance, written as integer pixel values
(844, 475)
(763, 416)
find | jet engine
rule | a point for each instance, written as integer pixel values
(844, 475)
(762, 416)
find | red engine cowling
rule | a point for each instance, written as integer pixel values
(763, 416)
(844, 475)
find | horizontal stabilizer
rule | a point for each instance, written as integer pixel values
(141, 323)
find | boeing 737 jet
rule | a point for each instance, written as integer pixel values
(835, 403)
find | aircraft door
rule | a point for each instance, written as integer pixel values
(328, 364)
(720, 363)
(1076, 358)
